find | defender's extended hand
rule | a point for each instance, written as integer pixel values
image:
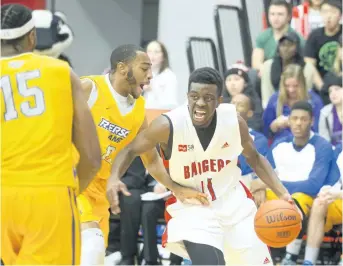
(112, 192)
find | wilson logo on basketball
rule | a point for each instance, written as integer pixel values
(280, 218)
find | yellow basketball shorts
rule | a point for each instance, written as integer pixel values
(94, 209)
(304, 201)
(39, 225)
(334, 214)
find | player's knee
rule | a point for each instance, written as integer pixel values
(92, 247)
(87, 225)
(319, 208)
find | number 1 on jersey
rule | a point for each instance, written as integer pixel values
(107, 155)
(209, 187)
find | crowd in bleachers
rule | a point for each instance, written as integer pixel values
(298, 60)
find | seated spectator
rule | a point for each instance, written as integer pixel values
(245, 108)
(288, 52)
(331, 116)
(135, 212)
(322, 44)
(163, 90)
(237, 81)
(307, 17)
(279, 16)
(326, 210)
(292, 89)
(336, 72)
(302, 162)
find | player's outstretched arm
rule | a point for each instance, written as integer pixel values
(85, 137)
(145, 145)
(259, 164)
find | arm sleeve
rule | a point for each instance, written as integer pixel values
(318, 174)
(269, 116)
(317, 106)
(270, 157)
(310, 46)
(260, 41)
(322, 128)
(267, 88)
(262, 146)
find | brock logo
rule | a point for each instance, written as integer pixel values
(185, 148)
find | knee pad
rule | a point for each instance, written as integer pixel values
(92, 247)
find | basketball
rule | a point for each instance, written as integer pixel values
(277, 223)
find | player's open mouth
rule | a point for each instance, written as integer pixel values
(199, 115)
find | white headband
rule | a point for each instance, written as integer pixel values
(11, 34)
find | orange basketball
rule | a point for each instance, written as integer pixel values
(277, 223)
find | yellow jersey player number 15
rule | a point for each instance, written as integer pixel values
(43, 112)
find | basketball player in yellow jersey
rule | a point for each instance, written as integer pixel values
(118, 111)
(43, 111)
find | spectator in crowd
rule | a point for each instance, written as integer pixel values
(245, 108)
(331, 116)
(279, 16)
(322, 44)
(236, 82)
(288, 52)
(326, 210)
(331, 75)
(292, 89)
(162, 91)
(307, 17)
(302, 161)
(135, 212)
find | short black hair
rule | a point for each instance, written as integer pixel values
(124, 54)
(284, 3)
(14, 16)
(207, 75)
(334, 3)
(303, 105)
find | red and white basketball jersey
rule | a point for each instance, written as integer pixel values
(214, 170)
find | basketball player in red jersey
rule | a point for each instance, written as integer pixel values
(202, 141)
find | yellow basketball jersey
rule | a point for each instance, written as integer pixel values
(36, 121)
(115, 130)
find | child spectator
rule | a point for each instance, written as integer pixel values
(236, 82)
(331, 117)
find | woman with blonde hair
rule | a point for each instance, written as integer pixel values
(292, 89)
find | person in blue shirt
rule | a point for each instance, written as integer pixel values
(326, 210)
(302, 161)
(292, 89)
(245, 108)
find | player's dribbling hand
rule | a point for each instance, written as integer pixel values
(288, 197)
(259, 197)
(113, 189)
(185, 195)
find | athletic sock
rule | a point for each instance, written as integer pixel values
(311, 254)
(294, 247)
(92, 247)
